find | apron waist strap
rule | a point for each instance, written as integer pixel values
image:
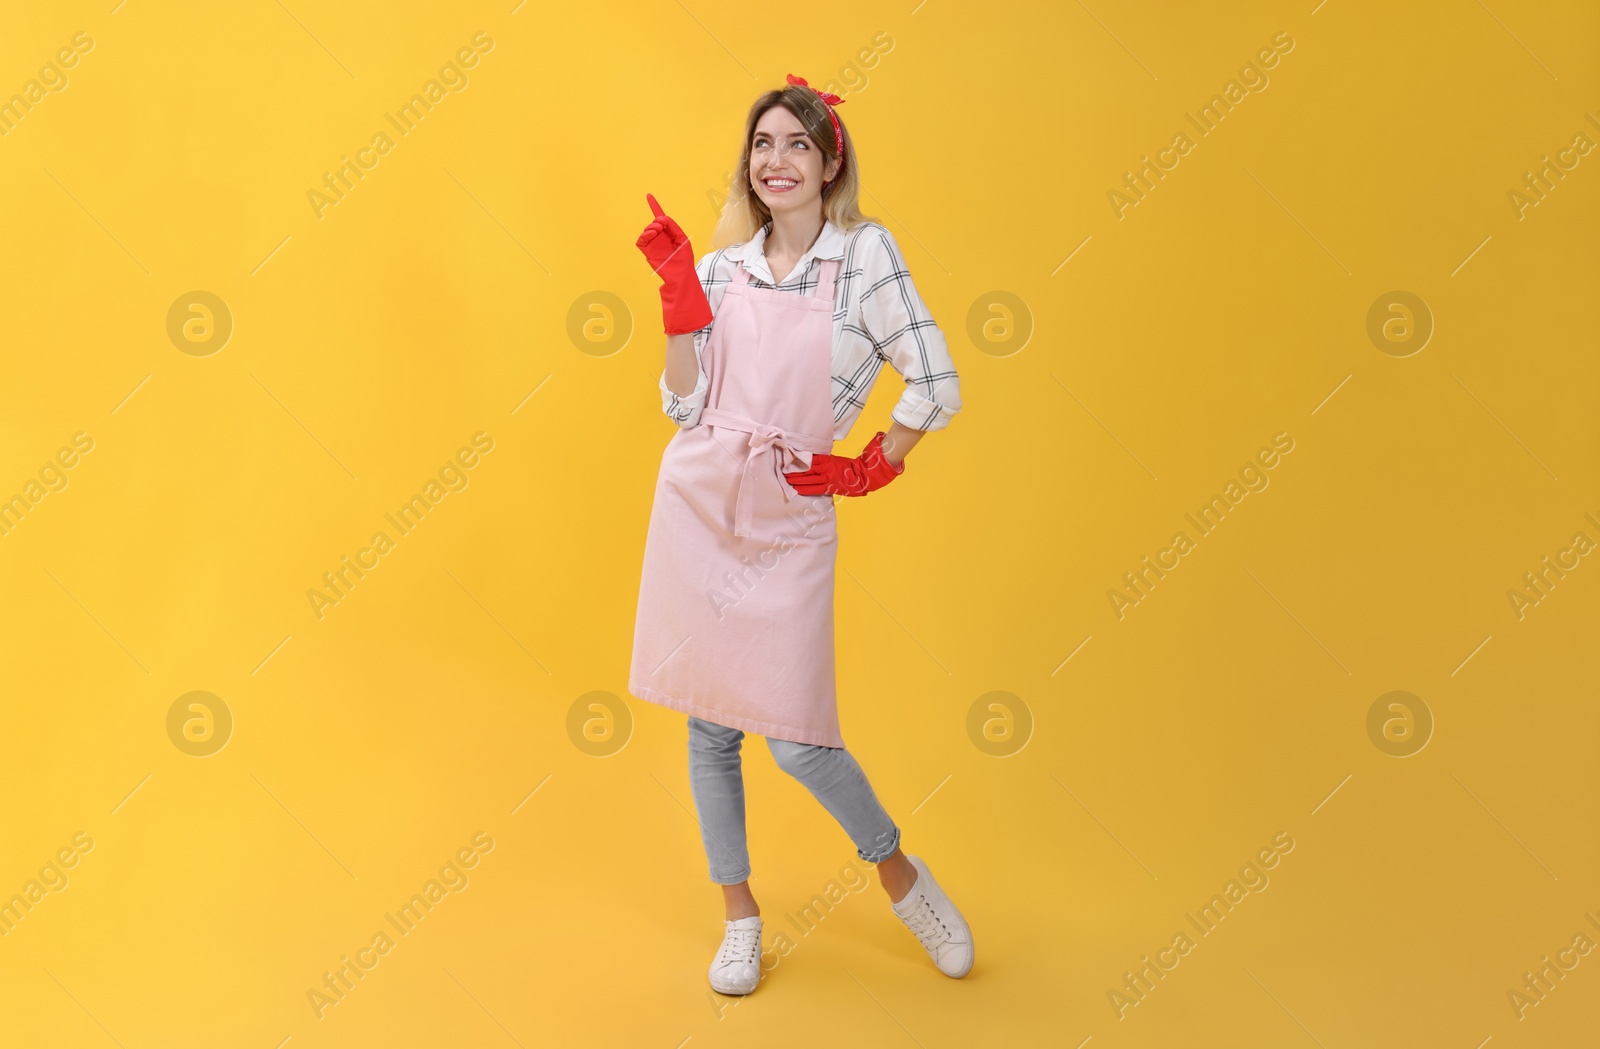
(764, 438)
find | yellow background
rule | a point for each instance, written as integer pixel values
(370, 344)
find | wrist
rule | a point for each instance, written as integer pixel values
(876, 450)
(684, 309)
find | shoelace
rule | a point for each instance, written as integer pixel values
(740, 945)
(926, 924)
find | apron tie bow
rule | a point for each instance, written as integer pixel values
(785, 446)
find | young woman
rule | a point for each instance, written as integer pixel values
(773, 344)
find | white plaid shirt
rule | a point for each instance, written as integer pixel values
(878, 316)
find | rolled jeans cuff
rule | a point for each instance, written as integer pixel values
(882, 852)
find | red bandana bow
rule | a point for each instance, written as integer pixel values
(829, 101)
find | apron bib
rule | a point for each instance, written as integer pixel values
(735, 617)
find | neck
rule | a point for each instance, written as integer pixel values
(794, 232)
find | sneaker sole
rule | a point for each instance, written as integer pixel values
(963, 972)
(729, 989)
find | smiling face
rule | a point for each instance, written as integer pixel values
(794, 180)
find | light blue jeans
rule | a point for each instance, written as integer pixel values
(834, 778)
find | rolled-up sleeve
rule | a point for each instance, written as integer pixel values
(905, 334)
(685, 410)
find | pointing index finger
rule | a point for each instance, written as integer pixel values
(654, 206)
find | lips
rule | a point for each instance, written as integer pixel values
(779, 185)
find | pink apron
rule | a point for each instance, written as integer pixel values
(735, 618)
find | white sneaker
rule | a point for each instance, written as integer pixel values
(737, 967)
(928, 912)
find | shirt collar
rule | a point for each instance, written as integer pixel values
(829, 245)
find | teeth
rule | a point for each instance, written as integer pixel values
(781, 182)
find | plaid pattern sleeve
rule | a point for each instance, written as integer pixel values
(685, 410)
(894, 319)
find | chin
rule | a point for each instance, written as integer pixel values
(788, 202)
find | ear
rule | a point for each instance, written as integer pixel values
(830, 170)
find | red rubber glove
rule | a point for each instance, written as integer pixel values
(683, 301)
(838, 475)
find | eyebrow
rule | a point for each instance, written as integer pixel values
(792, 134)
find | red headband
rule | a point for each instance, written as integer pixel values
(829, 101)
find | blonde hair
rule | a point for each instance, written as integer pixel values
(743, 213)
